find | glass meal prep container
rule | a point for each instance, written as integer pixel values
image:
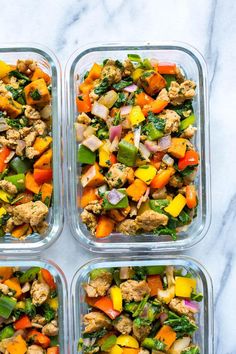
(47, 61)
(203, 337)
(61, 284)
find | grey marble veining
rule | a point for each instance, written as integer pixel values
(210, 26)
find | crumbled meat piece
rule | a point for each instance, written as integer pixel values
(145, 351)
(179, 75)
(30, 138)
(83, 118)
(20, 147)
(127, 227)
(8, 187)
(176, 181)
(12, 134)
(159, 193)
(3, 91)
(7, 206)
(128, 68)
(39, 320)
(190, 178)
(117, 175)
(99, 285)
(25, 131)
(31, 213)
(163, 95)
(141, 332)
(31, 153)
(111, 72)
(150, 220)
(3, 141)
(25, 288)
(51, 329)
(9, 226)
(178, 93)
(40, 127)
(177, 305)
(90, 220)
(39, 292)
(93, 96)
(189, 132)
(35, 349)
(4, 289)
(123, 324)
(95, 207)
(95, 321)
(182, 190)
(172, 120)
(31, 113)
(41, 228)
(26, 66)
(133, 290)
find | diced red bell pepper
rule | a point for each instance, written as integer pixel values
(191, 196)
(191, 158)
(105, 304)
(4, 153)
(53, 350)
(22, 323)
(42, 176)
(48, 278)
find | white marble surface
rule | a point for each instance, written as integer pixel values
(210, 26)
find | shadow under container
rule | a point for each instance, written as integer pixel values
(193, 65)
(61, 284)
(47, 61)
(203, 336)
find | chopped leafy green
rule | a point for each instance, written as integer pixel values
(153, 344)
(121, 100)
(118, 64)
(139, 273)
(97, 334)
(191, 350)
(102, 87)
(17, 123)
(196, 296)
(30, 309)
(37, 197)
(158, 205)
(122, 84)
(35, 95)
(24, 80)
(166, 231)
(187, 171)
(181, 324)
(117, 119)
(184, 217)
(102, 134)
(186, 106)
(159, 123)
(134, 57)
(48, 313)
(141, 322)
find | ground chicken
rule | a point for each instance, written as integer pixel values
(8, 187)
(25, 131)
(30, 213)
(145, 351)
(12, 134)
(95, 321)
(40, 127)
(133, 290)
(31, 113)
(3, 91)
(178, 93)
(111, 72)
(141, 332)
(179, 75)
(99, 285)
(39, 320)
(93, 96)
(30, 138)
(4, 289)
(41, 228)
(90, 220)
(117, 175)
(95, 207)
(31, 153)
(128, 68)
(172, 120)
(127, 227)
(26, 66)
(159, 193)
(20, 147)
(25, 288)
(163, 95)
(123, 324)
(9, 226)
(177, 305)
(84, 119)
(35, 349)
(176, 181)
(150, 220)
(51, 329)
(189, 132)
(39, 292)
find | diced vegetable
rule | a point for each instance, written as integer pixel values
(31, 184)
(136, 116)
(116, 349)
(4, 153)
(92, 177)
(125, 340)
(152, 132)
(45, 160)
(99, 110)
(29, 275)
(22, 323)
(185, 123)
(40, 74)
(109, 98)
(178, 147)
(161, 179)
(6, 332)
(17, 345)
(105, 154)
(166, 68)
(20, 230)
(185, 286)
(191, 196)
(152, 82)
(190, 159)
(156, 106)
(153, 344)
(7, 305)
(136, 189)
(6, 197)
(17, 180)
(41, 144)
(85, 155)
(92, 143)
(4, 69)
(46, 192)
(83, 102)
(94, 72)
(127, 153)
(14, 284)
(167, 336)
(48, 278)
(176, 205)
(19, 165)
(104, 227)
(146, 173)
(154, 283)
(105, 304)
(123, 203)
(116, 297)
(37, 92)
(39, 338)
(12, 107)
(89, 195)
(109, 343)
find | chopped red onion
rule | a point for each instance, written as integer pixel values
(144, 151)
(125, 110)
(114, 144)
(163, 317)
(143, 198)
(168, 160)
(164, 143)
(114, 196)
(115, 131)
(92, 143)
(151, 146)
(100, 110)
(131, 88)
(79, 129)
(137, 135)
(191, 305)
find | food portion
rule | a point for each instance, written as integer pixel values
(25, 148)
(28, 311)
(134, 131)
(140, 310)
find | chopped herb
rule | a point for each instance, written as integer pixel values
(35, 95)
(159, 123)
(121, 100)
(180, 324)
(37, 197)
(103, 87)
(196, 296)
(118, 64)
(166, 231)
(117, 119)
(24, 80)
(122, 84)
(17, 123)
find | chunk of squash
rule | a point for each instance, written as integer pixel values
(12, 107)
(37, 92)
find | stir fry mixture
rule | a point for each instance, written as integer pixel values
(134, 130)
(25, 153)
(28, 311)
(140, 310)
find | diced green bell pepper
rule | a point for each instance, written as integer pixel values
(127, 153)
(154, 270)
(158, 205)
(18, 180)
(96, 273)
(152, 132)
(21, 166)
(54, 341)
(109, 342)
(7, 305)
(122, 204)
(185, 123)
(103, 134)
(6, 332)
(29, 275)
(153, 344)
(85, 155)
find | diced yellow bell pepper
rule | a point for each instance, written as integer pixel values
(185, 286)
(176, 205)
(136, 115)
(53, 303)
(137, 73)
(104, 154)
(116, 297)
(178, 147)
(20, 305)
(127, 341)
(146, 173)
(116, 350)
(2, 211)
(6, 197)
(129, 138)
(4, 69)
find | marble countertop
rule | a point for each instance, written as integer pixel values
(208, 25)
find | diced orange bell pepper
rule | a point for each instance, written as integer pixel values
(84, 103)
(166, 68)
(39, 338)
(113, 159)
(40, 74)
(156, 106)
(22, 323)
(154, 283)
(191, 196)
(86, 86)
(5, 273)
(45, 160)
(41, 144)
(42, 176)
(91, 301)
(13, 108)
(136, 190)
(104, 227)
(130, 351)
(17, 345)
(4, 153)
(92, 177)
(46, 191)
(88, 195)
(161, 179)
(31, 184)
(95, 72)
(53, 350)
(21, 230)
(14, 284)
(48, 278)
(167, 335)
(105, 304)
(142, 99)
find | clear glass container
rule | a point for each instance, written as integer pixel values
(193, 64)
(203, 336)
(60, 280)
(49, 63)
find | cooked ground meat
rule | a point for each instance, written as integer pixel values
(90, 220)
(177, 305)
(118, 175)
(8, 187)
(127, 227)
(39, 292)
(31, 213)
(35, 349)
(30, 138)
(163, 95)
(176, 181)
(133, 290)
(95, 207)
(9, 225)
(172, 120)
(40, 127)
(31, 153)
(100, 285)
(83, 118)
(111, 72)
(31, 113)
(12, 134)
(51, 329)
(123, 324)
(141, 332)
(189, 132)
(178, 93)
(95, 321)
(150, 220)
(128, 68)
(145, 351)
(159, 193)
